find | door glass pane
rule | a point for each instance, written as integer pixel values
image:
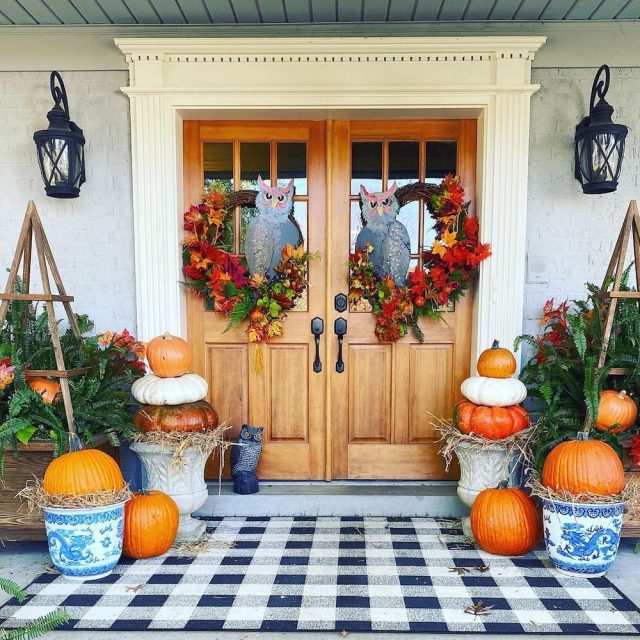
(292, 163)
(404, 160)
(218, 165)
(356, 223)
(429, 230)
(255, 160)
(409, 216)
(441, 158)
(366, 166)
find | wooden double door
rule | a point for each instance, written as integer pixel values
(370, 421)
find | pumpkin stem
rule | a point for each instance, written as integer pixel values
(167, 336)
(495, 345)
(74, 442)
(582, 435)
(622, 394)
(503, 484)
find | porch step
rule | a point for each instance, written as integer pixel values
(399, 499)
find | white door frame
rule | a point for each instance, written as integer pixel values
(488, 78)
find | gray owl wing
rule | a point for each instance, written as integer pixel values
(259, 245)
(396, 252)
(286, 233)
(376, 241)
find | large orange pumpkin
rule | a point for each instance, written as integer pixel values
(194, 416)
(496, 362)
(493, 423)
(80, 473)
(49, 390)
(169, 356)
(583, 466)
(616, 409)
(150, 524)
(505, 521)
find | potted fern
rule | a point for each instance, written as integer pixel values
(33, 426)
(582, 428)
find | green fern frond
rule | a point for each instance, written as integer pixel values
(13, 589)
(37, 627)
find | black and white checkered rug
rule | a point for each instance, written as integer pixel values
(352, 574)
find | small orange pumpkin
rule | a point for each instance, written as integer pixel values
(79, 473)
(48, 390)
(193, 416)
(493, 423)
(583, 466)
(496, 362)
(150, 524)
(169, 356)
(616, 409)
(505, 521)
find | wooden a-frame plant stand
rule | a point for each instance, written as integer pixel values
(32, 230)
(630, 231)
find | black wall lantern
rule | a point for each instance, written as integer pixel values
(599, 143)
(60, 147)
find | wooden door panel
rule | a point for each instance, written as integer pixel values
(429, 389)
(228, 383)
(370, 387)
(288, 393)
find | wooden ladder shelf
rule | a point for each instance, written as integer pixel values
(32, 229)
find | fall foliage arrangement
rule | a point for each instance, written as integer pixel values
(224, 280)
(446, 272)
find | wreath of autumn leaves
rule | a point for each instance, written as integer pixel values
(448, 266)
(223, 278)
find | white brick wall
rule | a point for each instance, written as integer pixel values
(91, 236)
(570, 235)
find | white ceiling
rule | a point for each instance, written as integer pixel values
(250, 12)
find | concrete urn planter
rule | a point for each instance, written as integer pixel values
(183, 481)
(485, 468)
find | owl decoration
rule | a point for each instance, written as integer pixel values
(387, 236)
(272, 229)
(244, 460)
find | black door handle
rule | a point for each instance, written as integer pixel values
(317, 329)
(340, 328)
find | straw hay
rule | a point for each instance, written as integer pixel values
(451, 437)
(35, 497)
(204, 545)
(630, 495)
(179, 441)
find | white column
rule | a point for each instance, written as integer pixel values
(499, 298)
(156, 221)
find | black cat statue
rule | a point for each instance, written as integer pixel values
(244, 460)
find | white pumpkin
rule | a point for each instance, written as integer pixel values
(493, 392)
(151, 389)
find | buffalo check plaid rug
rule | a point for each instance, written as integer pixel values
(335, 574)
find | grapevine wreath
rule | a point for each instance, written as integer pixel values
(447, 269)
(224, 279)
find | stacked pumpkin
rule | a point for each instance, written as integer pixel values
(172, 401)
(493, 410)
(504, 520)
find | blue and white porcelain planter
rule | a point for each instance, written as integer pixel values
(582, 539)
(85, 544)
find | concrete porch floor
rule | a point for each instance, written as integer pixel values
(22, 562)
